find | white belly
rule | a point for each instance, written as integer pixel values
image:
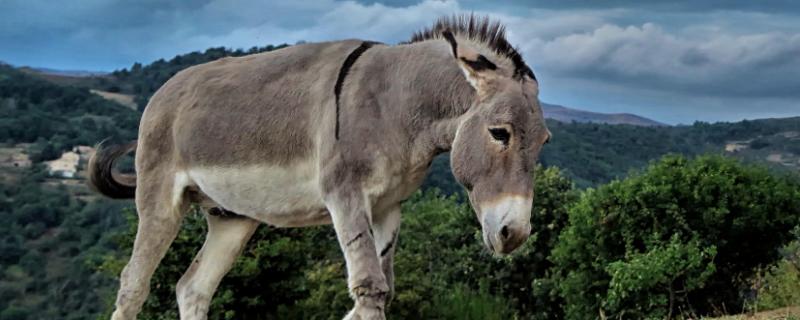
(281, 196)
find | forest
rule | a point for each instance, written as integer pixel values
(631, 222)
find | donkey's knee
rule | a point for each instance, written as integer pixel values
(370, 295)
(370, 305)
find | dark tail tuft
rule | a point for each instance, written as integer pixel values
(102, 176)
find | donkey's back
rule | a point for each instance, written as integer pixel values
(275, 99)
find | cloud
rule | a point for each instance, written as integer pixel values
(344, 20)
(673, 61)
(773, 6)
(112, 34)
(761, 65)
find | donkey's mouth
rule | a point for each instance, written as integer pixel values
(502, 247)
(488, 243)
(506, 223)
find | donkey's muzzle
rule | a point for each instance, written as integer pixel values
(506, 238)
(506, 223)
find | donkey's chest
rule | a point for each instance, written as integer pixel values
(281, 196)
(392, 182)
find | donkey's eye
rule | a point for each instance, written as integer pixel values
(500, 134)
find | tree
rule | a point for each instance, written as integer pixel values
(682, 236)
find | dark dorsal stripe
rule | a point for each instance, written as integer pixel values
(348, 63)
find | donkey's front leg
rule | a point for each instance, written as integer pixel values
(387, 227)
(350, 213)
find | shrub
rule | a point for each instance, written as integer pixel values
(465, 304)
(782, 287)
(683, 236)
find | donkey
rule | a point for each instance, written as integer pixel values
(336, 132)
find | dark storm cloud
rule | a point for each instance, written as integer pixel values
(754, 65)
(676, 61)
(102, 34)
(768, 6)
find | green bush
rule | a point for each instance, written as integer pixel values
(782, 287)
(464, 303)
(682, 237)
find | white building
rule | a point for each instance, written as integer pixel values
(66, 166)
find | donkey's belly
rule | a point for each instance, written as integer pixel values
(281, 196)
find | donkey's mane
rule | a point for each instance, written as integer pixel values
(482, 29)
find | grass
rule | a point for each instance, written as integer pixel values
(788, 313)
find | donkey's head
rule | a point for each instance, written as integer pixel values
(497, 143)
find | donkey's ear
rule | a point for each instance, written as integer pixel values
(477, 68)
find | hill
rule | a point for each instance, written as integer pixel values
(69, 73)
(564, 114)
(69, 78)
(596, 153)
(53, 231)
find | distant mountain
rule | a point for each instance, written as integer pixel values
(568, 115)
(67, 73)
(88, 79)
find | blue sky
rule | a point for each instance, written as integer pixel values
(675, 61)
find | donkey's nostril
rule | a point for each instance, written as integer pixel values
(504, 232)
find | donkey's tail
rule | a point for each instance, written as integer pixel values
(102, 176)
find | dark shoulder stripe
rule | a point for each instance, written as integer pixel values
(348, 63)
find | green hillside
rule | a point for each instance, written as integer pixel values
(593, 154)
(55, 235)
(53, 232)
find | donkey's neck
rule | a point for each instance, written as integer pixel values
(433, 92)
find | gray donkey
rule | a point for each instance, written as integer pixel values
(336, 132)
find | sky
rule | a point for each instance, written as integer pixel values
(673, 61)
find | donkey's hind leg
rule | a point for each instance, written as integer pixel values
(226, 238)
(160, 216)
